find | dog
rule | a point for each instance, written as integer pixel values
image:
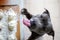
(39, 24)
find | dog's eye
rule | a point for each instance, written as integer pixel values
(0, 29)
(41, 16)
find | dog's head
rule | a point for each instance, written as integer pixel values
(38, 19)
(36, 23)
(39, 23)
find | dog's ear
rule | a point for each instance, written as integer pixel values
(25, 12)
(46, 12)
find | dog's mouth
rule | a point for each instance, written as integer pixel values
(26, 22)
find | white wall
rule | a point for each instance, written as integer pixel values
(13, 2)
(37, 7)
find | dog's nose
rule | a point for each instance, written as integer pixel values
(32, 22)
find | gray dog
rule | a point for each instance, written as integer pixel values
(39, 24)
